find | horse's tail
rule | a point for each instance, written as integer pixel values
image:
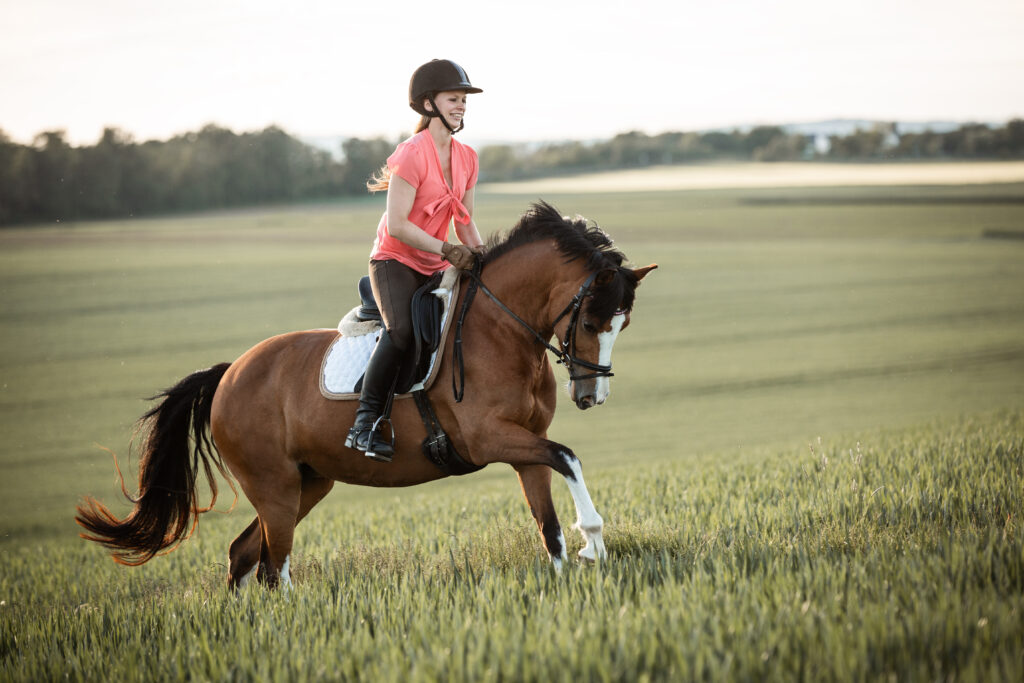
(167, 501)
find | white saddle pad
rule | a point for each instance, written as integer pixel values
(345, 363)
(346, 359)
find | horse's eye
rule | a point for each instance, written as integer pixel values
(589, 327)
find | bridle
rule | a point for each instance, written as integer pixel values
(566, 355)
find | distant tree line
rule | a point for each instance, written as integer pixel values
(763, 143)
(50, 180)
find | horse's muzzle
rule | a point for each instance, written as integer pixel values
(587, 393)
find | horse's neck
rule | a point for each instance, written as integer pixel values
(533, 281)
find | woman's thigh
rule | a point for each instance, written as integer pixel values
(393, 284)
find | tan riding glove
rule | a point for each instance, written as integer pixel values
(459, 255)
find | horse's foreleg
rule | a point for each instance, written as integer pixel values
(520, 447)
(588, 521)
(536, 483)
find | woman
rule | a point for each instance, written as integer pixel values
(430, 179)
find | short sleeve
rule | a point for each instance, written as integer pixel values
(407, 163)
(474, 168)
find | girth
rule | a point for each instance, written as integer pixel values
(437, 447)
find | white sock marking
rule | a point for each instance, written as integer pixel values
(249, 576)
(286, 578)
(557, 560)
(588, 521)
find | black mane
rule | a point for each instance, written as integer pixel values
(575, 239)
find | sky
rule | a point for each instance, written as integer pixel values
(550, 69)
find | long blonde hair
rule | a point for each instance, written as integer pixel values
(380, 180)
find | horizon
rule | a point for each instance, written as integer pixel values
(572, 71)
(836, 126)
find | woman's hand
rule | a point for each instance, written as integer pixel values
(459, 255)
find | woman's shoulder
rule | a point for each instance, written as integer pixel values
(419, 141)
(465, 150)
(410, 147)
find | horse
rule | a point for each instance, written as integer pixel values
(263, 419)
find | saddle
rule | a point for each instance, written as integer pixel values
(427, 315)
(342, 369)
(359, 331)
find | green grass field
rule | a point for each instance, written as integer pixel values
(810, 465)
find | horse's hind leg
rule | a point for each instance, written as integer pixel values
(248, 549)
(244, 555)
(536, 482)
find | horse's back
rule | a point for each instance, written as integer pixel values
(277, 375)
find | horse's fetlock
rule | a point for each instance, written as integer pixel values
(591, 526)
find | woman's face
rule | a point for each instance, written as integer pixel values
(451, 104)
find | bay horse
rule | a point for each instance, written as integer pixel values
(283, 442)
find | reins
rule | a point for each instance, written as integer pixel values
(565, 355)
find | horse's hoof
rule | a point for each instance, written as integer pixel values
(594, 551)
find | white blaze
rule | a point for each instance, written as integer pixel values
(607, 341)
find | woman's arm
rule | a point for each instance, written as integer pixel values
(400, 198)
(468, 232)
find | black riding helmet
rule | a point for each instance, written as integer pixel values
(437, 75)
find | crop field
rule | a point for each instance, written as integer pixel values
(811, 465)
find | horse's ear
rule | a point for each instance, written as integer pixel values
(640, 272)
(605, 276)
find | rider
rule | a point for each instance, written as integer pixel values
(430, 180)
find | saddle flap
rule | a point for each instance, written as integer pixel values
(427, 312)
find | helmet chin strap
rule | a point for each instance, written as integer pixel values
(437, 112)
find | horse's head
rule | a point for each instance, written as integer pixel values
(571, 251)
(605, 312)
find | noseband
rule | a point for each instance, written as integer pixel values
(566, 355)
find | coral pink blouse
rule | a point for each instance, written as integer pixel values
(417, 162)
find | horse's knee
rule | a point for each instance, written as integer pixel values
(564, 461)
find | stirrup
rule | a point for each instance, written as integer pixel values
(373, 447)
(381, 451)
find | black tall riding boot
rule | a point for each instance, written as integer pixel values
(378, 383)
